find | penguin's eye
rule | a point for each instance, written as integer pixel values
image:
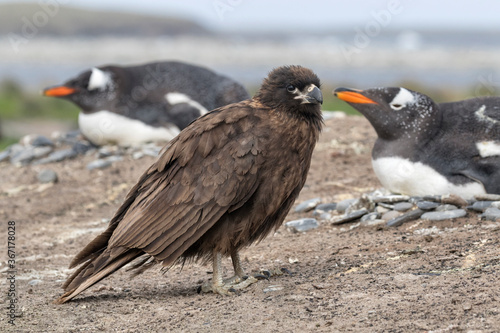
(396, 106)
(290, 88)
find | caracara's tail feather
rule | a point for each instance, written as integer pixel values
(89, 274)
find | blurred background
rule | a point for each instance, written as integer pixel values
(448, 49)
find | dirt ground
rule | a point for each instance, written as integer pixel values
(420, 277)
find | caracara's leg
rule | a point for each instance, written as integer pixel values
(228, 286)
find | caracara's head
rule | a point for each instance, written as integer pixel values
(291, 87)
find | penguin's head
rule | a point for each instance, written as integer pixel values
(92, 90)
(394, 112)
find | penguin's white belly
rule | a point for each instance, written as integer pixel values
(105, 127)
(400, 175)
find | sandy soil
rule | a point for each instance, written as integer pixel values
(422, 276)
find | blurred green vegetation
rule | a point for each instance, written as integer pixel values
(16, 104)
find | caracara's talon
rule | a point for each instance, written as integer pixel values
(261, 276)
(285, 270)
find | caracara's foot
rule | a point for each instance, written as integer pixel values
(228, 286)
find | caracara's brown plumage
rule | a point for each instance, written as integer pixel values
(226, 181)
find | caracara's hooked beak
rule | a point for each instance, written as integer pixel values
(58, 91)
(310, 95)
(352, 96)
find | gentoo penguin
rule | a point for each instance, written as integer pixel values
(428, 148)
(151, 102)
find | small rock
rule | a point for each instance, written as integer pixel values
(480, 206)
(325, 208)
(449, 214)
(57, 156)
(137, 155)
(4, 155)
(307, 205)
(495, 204)
(370, 217)
(302, 225)
(406, 217)
(402, 206)
(82, 148)
(29, 154)
(344, 204)
(34, 282)
(427, 205)
(385, 205)
(392, 214)
(487, 197)
(155, 151)
(99, 164)
(434, 198)
(372, 223)
(381, 210)
(272, 288)
(47, 176)
(442, 208)
(391, 198)
(453, 199)
(491, 214)
(351, 216)
(41, 141)
(325, 217)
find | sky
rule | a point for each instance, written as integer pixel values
(311, 15)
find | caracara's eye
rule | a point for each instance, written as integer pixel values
(290, 88)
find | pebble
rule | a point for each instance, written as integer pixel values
(370, 217)
(344, 204)
(34, 282)
(449, 214)
(272, 288)
(57, 156)
(351, 216)
(480, 206)
(442, 208)
(41, 141)
(406, 217)
(302, 225)
(392, 214)
(487, 197)
(403, 206)
(99, 164)
(427, 205)
(47, 176)
(82, 147)
(491, 214)
(307, 205)
(325, 208)
(453, 199)
(4, 155)
(29, 154)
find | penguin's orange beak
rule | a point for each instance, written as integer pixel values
(352, 96)
(59, 91)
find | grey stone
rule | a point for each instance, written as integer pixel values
(272, 288)
(449, 214)
(99, 164)
(351, 216)
(47, 176)
(442, 208)
(29, 154)
(307, 205)
(487, 197)
(34, 282)
(370, 217)
(391, 198)
(491, 214)
(495, 204)
(402, 206)
(392, 214)
(434, 198)
(371, 223)
(4, 155)
(480, 206)
(302, 225)
(325, 217)
(57, 156)
(41, 141)
(326, 207)
(137, 155)
(386, 205)
(453, 199)
(154, 151)
(406, 217)
(427, 205)
(344, 204)
(82, 147)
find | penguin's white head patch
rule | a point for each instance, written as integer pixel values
(402, 99)
(98, 79)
